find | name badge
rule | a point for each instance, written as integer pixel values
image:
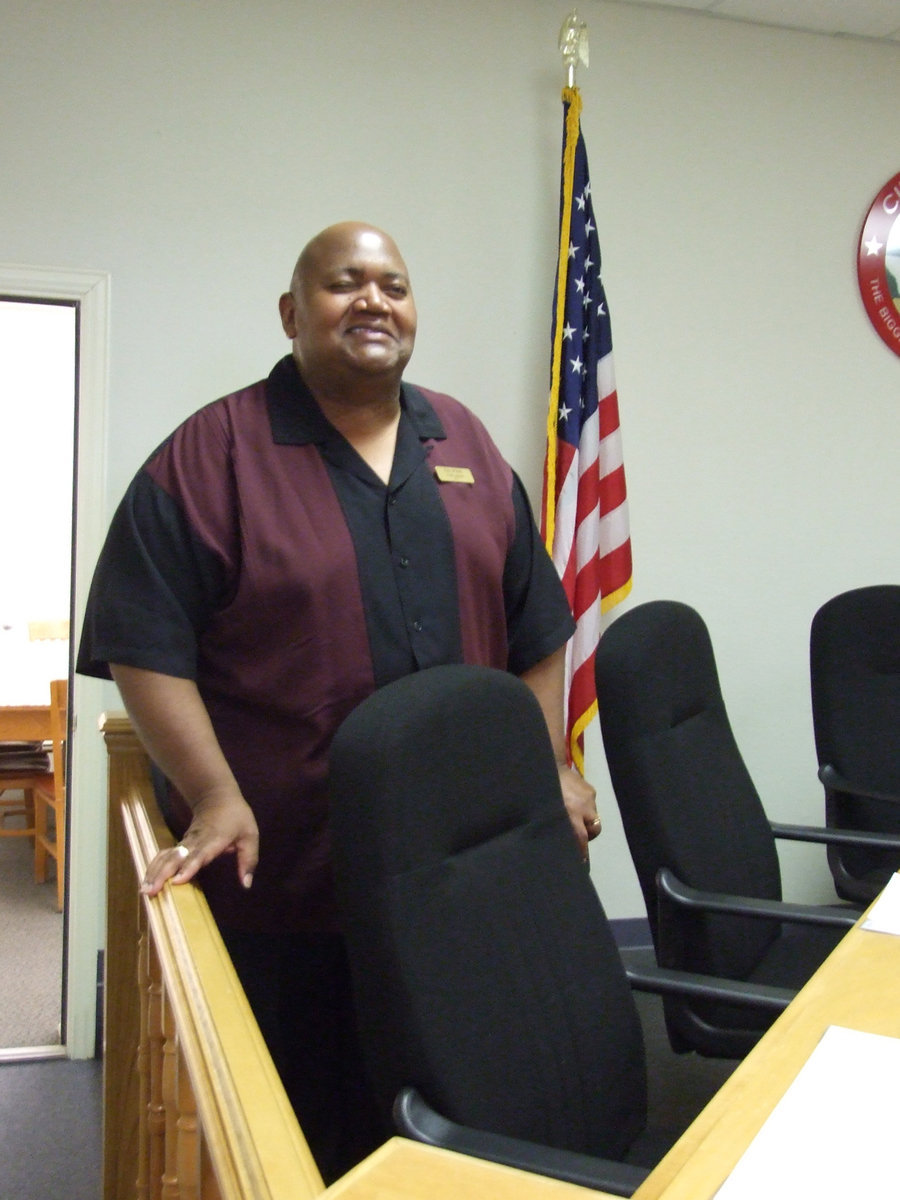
(454, 475)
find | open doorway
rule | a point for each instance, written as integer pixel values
(38, 362)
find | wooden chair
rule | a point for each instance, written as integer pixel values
(13, 805)
(50, 796)
(18, 725)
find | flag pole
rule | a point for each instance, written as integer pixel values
(584, 515)
(573, 45)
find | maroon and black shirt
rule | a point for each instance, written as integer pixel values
(258, 554)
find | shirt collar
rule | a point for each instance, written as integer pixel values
(296, 419)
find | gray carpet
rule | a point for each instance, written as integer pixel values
(50, 1141)
(31, 946)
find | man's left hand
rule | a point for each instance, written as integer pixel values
(581, 804)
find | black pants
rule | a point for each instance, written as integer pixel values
(299, 989)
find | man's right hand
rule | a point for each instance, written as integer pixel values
(172, 721)
(220, 825)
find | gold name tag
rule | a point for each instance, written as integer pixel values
(454, 475)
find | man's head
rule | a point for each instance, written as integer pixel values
(350, 312)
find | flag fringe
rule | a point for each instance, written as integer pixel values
(615, 597)
(576, 737)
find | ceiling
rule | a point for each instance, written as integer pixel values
(852, 18)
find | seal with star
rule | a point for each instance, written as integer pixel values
(878, 264)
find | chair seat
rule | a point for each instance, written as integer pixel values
(795, 955)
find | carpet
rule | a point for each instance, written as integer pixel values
(31, 948)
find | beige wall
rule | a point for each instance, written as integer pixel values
(190, 148)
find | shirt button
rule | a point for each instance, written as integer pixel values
(417, 626)
(404, 561)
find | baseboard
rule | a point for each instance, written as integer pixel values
(632, 933)
(98, 1024)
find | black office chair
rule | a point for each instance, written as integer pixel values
(854, 657)
(494, 1011)
(702, 846)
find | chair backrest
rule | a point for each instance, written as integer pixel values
(684, 793)
(484, 968)
(854, 659)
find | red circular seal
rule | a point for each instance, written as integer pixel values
(878, 264)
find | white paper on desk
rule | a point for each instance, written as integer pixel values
(835, 1133)
(884, 915)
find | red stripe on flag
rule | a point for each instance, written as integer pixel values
(615, 569)
(611, 490)
(609, 414)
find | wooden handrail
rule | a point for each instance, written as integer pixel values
(193, 1106)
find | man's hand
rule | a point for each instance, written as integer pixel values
(222, 824)
(581, 804)
(546, 680)
(171, 720)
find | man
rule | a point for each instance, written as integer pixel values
(289, 549)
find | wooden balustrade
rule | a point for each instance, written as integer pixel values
(193, 1106)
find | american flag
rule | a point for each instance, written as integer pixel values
(584, 515)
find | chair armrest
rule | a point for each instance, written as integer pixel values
(415, 1119)
(665, 982)
(836, 782)
(838, 837)
(669, 887)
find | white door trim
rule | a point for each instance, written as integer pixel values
(85, 919)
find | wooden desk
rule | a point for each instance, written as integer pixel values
(24, 722)
(404, 1170)
(857, 986)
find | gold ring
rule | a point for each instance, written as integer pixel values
(596, 823)
(181, 850)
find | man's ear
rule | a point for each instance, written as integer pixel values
(288, 310)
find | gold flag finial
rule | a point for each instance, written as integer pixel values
(573, 44)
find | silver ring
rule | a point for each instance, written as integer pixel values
(181, 850)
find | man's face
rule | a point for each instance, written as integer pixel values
(350, 310)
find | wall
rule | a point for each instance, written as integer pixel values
(189, 149)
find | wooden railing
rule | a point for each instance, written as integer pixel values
(193, 1108)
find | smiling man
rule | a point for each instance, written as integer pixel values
(289, 549)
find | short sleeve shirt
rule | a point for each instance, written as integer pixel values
(258, 554)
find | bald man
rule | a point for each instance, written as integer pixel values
(289, 549)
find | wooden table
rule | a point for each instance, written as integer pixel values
(857, 986)
(405, 1170)
(24, 722)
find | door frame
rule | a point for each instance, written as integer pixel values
(85, 915)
